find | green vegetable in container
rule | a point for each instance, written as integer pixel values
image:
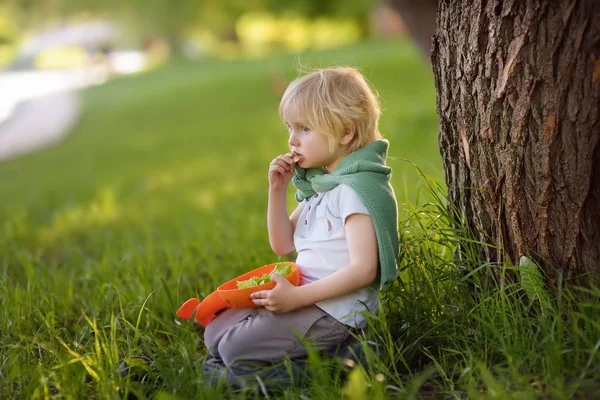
(280, 268)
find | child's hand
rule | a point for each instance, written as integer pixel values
(281, 171)
(279, 299)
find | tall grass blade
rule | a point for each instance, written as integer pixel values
(533, 284)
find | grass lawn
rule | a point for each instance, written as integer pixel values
(160, 195)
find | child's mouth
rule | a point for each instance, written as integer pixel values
(296, 157)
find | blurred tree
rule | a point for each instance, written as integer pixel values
(358, 10)
(165, 18)
(220, 16)
(174, 19)
(518, 98)
(36, 13)
(9, 29)
(419, 17)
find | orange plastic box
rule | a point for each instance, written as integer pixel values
(228, 295)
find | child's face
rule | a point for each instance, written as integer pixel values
(310, 145)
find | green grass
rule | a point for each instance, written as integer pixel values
(160, 195)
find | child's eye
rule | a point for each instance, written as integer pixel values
(305, 128)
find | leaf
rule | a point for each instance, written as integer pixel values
(533, 284)
(357, 385)
(166, 396)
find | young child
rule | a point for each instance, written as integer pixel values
(345, 228)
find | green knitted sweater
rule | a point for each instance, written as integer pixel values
(364, 171)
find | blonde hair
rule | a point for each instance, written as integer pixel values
(333, 101)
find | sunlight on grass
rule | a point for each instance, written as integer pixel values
(103, 209)
(204, 200)
(161, 181)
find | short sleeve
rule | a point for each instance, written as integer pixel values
(350, 203)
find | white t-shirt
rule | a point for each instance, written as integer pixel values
(320, 240)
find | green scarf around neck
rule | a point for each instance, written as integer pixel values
(365, 172)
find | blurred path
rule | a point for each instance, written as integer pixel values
(39, 122)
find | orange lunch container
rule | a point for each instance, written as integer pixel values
(228, 295)
(206, 310)
(240, 298)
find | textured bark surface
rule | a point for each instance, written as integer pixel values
(419, 17)
(518, 96)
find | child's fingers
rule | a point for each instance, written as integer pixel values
(279, 169)
(260, 298)
(260, 302)
(282, 164)
(288, 158)
(260, 295)
(284, 160)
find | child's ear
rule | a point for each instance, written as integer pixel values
(348, 135)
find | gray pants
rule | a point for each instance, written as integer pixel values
(264, 337)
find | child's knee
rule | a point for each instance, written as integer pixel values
(218, 328)
(233, 347)
(211, 339)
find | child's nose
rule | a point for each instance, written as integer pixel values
(293, 140)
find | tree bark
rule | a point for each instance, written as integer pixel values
(419, 18)
(518, 98)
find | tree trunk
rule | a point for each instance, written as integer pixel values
(419, 18)
(518, 98)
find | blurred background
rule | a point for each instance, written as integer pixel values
(130, 116)
(53, 45)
